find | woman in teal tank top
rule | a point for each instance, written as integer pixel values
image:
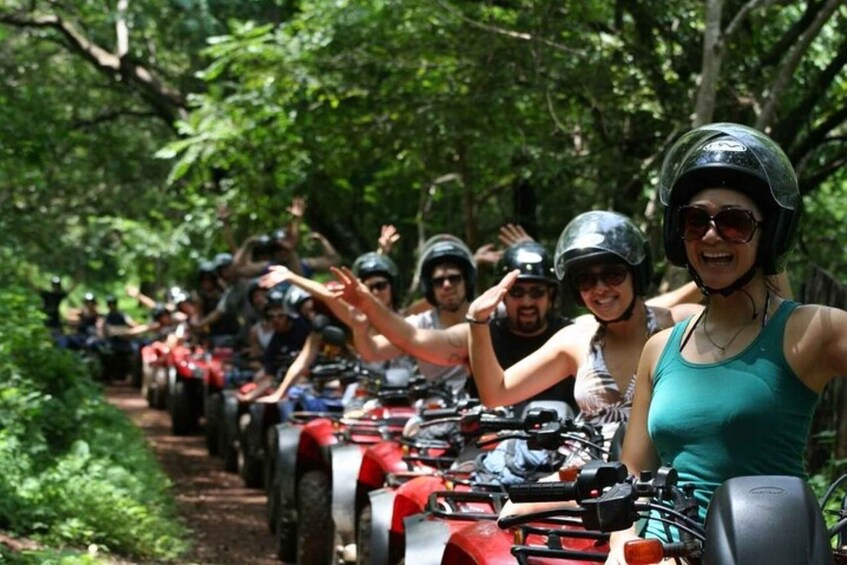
(731, 392)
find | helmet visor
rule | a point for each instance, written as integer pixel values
(774, 164)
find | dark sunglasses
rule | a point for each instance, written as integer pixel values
(613, 275)
(734, 225)
(452, 279)
(378, 286)
(273, 315)
(534, 292)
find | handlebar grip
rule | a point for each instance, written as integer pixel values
(543, 492)
(434, 413)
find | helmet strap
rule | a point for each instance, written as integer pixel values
(708, 291)
(627, 314)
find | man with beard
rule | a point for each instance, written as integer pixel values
(529, 321)
(447, 277)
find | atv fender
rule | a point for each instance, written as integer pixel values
(425, 539)
(382, 505)
(345, 461)
(288, 441)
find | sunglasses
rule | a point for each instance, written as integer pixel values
(734, 225)
(452, 279)
(535, 292)
(613, 275)
(378, 286)
(273, 315)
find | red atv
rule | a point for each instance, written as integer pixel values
(189, 367)
(155, 373)
(464, 507)
(316, 462)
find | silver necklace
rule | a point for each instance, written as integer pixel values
(721, 348)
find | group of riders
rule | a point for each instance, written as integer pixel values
(718, 378)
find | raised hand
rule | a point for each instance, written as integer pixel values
(276, 274)
(487, 254)
(354, 291)
(297, 207)
(511, 234)
(388, 236)
(483, 307)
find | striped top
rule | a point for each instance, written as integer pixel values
(596, 392)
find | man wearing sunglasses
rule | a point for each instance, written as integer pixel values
(528, 323)
(447, 275)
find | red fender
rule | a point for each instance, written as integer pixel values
(411, 499)
(479, 543)
(484, 543)
(378, 461)
(215, 376)
(155, 354)
(315, 438)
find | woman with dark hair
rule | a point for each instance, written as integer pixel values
(732, 391)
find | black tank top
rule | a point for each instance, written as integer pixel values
(511, 348)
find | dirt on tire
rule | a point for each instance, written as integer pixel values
(227, 519)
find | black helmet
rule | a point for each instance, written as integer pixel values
(89, 297)
(742, 159)
(110, 299)
(255, 285)
(445, 248)
(373, 263)
(598, 236)
(295, 297)
(531, 259)
(276, 299)
(222, 260)
(158, 311)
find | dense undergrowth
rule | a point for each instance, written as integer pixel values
(75, 474)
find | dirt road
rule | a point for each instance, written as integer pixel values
(228, 520)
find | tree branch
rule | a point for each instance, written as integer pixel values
(817, 137)
(110, 116)
(121, 28)
(773, 95)
(168, 103)
(786, 130)
(506, 32)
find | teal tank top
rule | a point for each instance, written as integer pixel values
(747, 415)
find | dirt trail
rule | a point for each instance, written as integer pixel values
(228, 519)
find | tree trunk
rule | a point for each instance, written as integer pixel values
(774, 93)
(704, 108)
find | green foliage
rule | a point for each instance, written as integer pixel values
(73, 470)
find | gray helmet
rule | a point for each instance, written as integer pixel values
(89, 297)
(531, 259)
(445, 248)
(601, 236)
(277, 299)
(373, 263)
(222, 260)
(294, 297)
(726, 155)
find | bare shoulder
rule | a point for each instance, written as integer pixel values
(813, 321)
(655, 345)
(574, 338)
(682, 311)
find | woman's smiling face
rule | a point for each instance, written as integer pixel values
(718, 261)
